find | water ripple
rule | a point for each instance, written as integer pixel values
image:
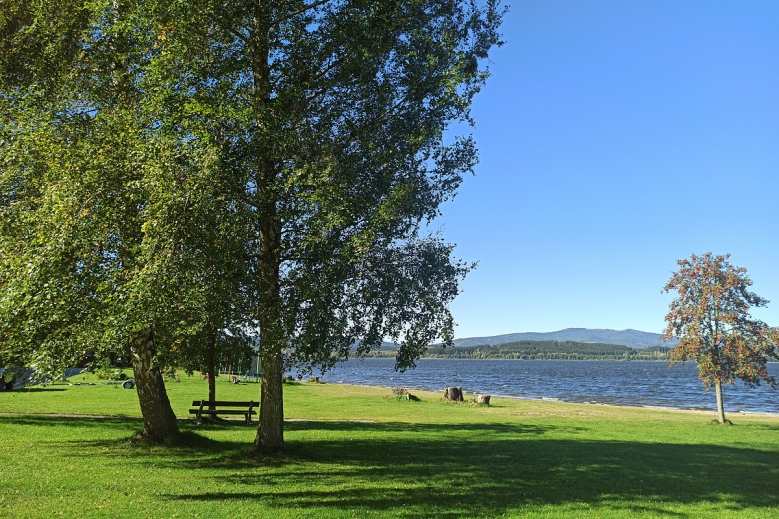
(604, 382)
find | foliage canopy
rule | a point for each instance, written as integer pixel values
(710, 317)
(266, 165)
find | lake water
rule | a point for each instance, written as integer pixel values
(601, 382)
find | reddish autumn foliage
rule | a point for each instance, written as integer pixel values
(711, 319)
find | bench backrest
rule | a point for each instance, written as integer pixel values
(225, 403)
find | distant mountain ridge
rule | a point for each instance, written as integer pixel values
(632, 338)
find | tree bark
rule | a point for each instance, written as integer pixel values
(270, 434)
(211, 371)
(159, 421)
(720, 405)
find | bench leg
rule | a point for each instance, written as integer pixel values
(248, 419)
(198, 420)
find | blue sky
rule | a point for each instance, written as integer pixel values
(615, 138)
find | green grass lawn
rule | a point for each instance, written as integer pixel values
(357, 452)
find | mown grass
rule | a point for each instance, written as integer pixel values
(358, 452)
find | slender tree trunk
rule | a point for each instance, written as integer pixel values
(270, 434)
(211, 370)
(720, 405)
(159, 421)
(211, 388)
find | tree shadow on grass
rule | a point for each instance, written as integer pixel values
(466, 470)
(23, 390)
(82, 420)
(127, 444)
(446, 471)
(47, 420)
(765, 427)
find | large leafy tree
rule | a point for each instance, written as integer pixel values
(710, 318)
(115, 230)
(325, 121)
(333, 113)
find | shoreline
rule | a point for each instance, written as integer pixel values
(553, 400)
(502, 358)
(646, 384)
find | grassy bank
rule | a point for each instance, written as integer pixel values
(357, 452)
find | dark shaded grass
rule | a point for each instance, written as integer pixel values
(504, 466)
(25, 390)
(454, 470)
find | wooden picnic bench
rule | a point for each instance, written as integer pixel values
(210, 407)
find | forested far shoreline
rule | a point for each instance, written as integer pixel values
(542, 350)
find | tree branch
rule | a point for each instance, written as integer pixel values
(302, 10)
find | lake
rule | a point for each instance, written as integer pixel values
(595, 382)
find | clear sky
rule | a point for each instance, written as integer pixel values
(616, 137)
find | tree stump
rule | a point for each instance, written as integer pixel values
(483, 399)
(287, 378)
(314, 379)
(453, 394)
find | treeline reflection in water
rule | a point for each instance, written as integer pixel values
(597, 382)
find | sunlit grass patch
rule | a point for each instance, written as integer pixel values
(358, 452)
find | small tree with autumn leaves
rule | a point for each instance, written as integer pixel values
(710, 318)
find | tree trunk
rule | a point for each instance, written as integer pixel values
(270, 434)
(159, 421)
(720, 405)
(211, 371)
